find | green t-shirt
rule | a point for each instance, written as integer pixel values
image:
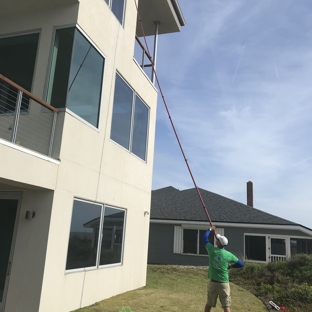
(219, 260)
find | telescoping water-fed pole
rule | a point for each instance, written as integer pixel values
(172, 124)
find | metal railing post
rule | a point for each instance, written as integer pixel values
(52, 134)
(155, 49)
(143, 56)
(17, 115)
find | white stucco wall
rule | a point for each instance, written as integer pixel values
(91, 167)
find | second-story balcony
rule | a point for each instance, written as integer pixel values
(26, 120)
(154, 18)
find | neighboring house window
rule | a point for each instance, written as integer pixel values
(117, 7)
(190, 241)
(76, 75)
(299, 245)
(278, 246)
(17, 62)
(130, 119)
(255, 248)
(193, 241)
(96, 235)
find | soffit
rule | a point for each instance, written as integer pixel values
(13, 186)
(9, 7)
(167, 12)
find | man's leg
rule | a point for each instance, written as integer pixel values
(212, 296)
(225, 297)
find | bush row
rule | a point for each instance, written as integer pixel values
(287, 283)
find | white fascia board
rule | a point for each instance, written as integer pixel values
(30, 152)
(178, 11)
(237, 225)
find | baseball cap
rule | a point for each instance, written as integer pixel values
(222, 239)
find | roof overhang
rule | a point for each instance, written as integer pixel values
(166, 12)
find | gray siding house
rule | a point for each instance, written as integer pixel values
(178, 222)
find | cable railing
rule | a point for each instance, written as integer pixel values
(26, 120)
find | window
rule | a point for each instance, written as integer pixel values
(96, 235)
(299, 245)
(278, 246)
(76, 75)
(117, 7)
(193, 241)
(255, 248)
(17, 62)
(130, 119)
(111, 247)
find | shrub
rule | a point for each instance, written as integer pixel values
(287, 283)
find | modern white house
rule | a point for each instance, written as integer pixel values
(77, 127)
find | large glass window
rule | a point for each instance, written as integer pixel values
(255, 248)
(84, 231)
(117, 7)
(193, 241)
(140, 123)
(113, 228)
(130, 119)
(17, 62)
(121, 123)
(76, 75)
(96, 235)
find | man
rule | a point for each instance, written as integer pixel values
(220, 261)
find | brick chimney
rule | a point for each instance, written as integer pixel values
(249, 194)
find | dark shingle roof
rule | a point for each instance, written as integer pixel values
(170, 203)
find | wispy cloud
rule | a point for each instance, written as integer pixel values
(239, 62)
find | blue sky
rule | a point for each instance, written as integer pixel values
(238, 83)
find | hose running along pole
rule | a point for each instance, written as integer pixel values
(169, 115)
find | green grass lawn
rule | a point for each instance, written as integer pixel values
(174, 288)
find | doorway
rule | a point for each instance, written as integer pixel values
(9, 205)
(277, 249)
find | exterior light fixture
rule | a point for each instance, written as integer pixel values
(30, 215)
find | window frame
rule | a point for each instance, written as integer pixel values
(12, 35)
(133, 105)
(265, 247)
(268, 250)
(123, 238)
(198, 243)
(99, 238)
(300, 240)
(178, 239)
(110, 5)
(47, 93)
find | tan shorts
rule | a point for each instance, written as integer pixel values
(221, 290)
